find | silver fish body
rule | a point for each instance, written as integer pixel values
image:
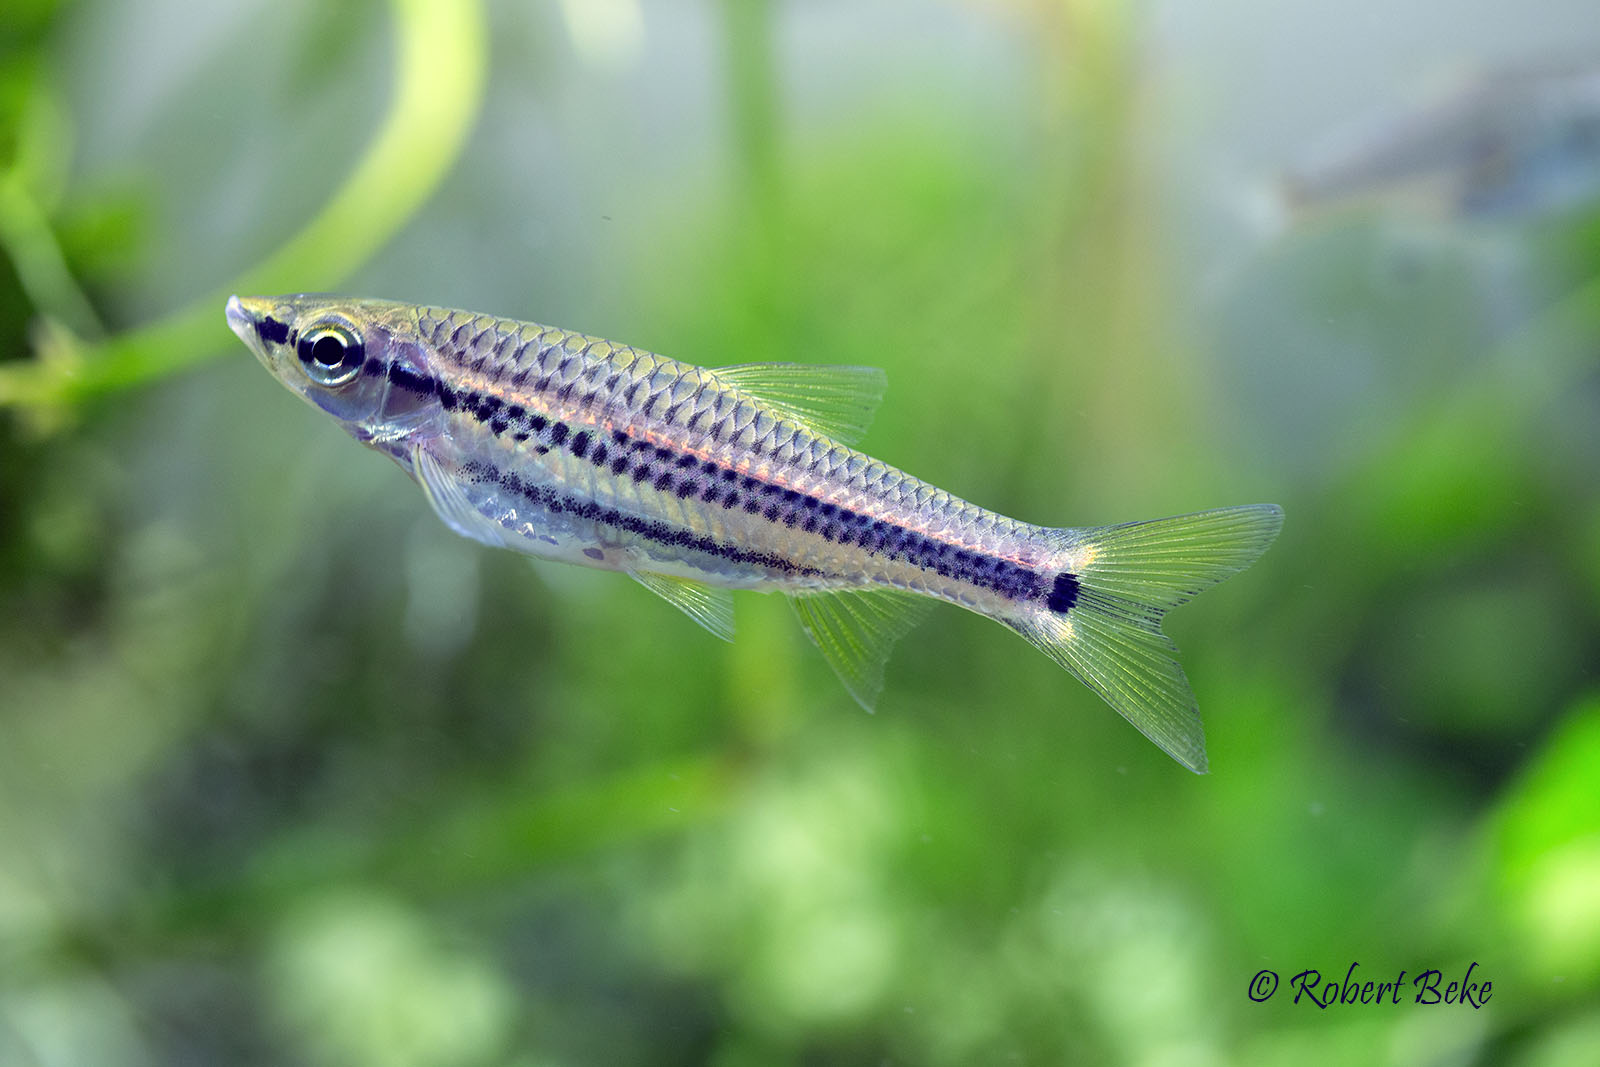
(698, 481)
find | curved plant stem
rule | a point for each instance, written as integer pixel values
(439, 76)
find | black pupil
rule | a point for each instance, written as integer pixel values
(328, 350)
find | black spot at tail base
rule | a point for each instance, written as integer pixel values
(1063, 594)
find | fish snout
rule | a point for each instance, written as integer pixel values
(251, 318)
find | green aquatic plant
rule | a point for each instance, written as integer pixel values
(439, 72)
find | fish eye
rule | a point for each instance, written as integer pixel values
(331, 353)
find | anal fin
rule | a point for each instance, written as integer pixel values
(856, 631)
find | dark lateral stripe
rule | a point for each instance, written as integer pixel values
(273, 331)
(659, 532)
(670, 472)
(681, 474)
(407, 380)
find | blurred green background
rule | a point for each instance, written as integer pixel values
(289, 774)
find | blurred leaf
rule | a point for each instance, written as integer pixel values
(438, 88)
(1549, 854)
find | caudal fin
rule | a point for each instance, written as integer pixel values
(1102, 620)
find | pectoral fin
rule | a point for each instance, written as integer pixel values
(465, 508)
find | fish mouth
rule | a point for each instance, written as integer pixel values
(244, 319)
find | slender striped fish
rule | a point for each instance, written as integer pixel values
(698, 481)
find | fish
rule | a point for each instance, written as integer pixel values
(1508, 145)
(699, 481)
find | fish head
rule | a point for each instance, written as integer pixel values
(362, 361)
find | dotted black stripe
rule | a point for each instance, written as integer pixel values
(671, 472)
(659, 532)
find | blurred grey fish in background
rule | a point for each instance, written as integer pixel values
(1509, 145)
(1422, 243)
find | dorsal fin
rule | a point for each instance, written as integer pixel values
(834, 401)
(856, 631)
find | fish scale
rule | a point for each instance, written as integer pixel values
(697, 481)
(738, 428)
(738, 431)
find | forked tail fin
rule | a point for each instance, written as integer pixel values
(1102, 620)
